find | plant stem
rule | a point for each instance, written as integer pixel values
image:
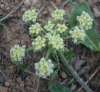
(29, 49)
(93, 44)
(48, 53)
(67, 37)
(74, 74)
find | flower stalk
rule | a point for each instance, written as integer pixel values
(73, 72)
(48, 53)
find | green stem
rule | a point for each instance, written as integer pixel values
(48, 53)
(67, 37)
(92, 43)
(74, 74)
(29, 49)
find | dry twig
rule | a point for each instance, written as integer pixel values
(90, 78)
(64, 3)
(11, 12)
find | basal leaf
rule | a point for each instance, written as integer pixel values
(58, 88)
(24, 67)
(92, 38)
(77, 11)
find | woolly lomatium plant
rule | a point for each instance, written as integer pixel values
(29, 15)
(17, 53)
(44, 68)
(52, 37)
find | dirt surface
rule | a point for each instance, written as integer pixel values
(12, 79)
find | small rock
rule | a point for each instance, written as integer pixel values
(23, 10)
(58, 2)
(19, 79)
(63, 75)
(28, 82)
(7, 8)
(45, 12)
(27, 3)
(11, 68)
(7, 84)
(96, 12)
(2, 5)
(22, 84)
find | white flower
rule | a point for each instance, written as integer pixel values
(61, 28)
(44, 68)
(55, 41)
(17, 53)
(49, 26)
(29, 15)
(35, 29)
(77, 34)
(58, 14)
(39, 43)
(85, 21)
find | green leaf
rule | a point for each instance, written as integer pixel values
(58, 88)
(54, 74)
(24, 67)
(69, 55)
(92, 39)
(77, 11)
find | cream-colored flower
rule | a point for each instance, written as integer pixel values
(85, 21)
(29, 15)
(49, 26)
(77, 34)
(17, 53)
(39, 43)
(55, 41)
(58, 14)
(35, 29)
(44, 68)
(61, 28)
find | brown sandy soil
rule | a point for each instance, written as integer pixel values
(12, 79)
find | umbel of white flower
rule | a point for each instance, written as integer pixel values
(44, 68)
(39, 43)
(85, 21)
(49, 26)
(29, 15)
(58, 14)
(17, 53)
(77, 34)
(55, 41)
(35, 29)
(61, 28)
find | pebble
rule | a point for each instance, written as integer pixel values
(58, 2)
(28, 82)
(22, 84)
(27, 3)
(7, 84)
(96, 12)
(19, 79)
(63, 75)
(45, 12)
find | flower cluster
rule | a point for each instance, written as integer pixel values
(49, 26)
(29, 15)
(61, 28)
(58, 14)
(17, 53)
(44, 68)
(77, 34)
(39, 43)
(55, 41)
(85, 21)
(35, 29)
